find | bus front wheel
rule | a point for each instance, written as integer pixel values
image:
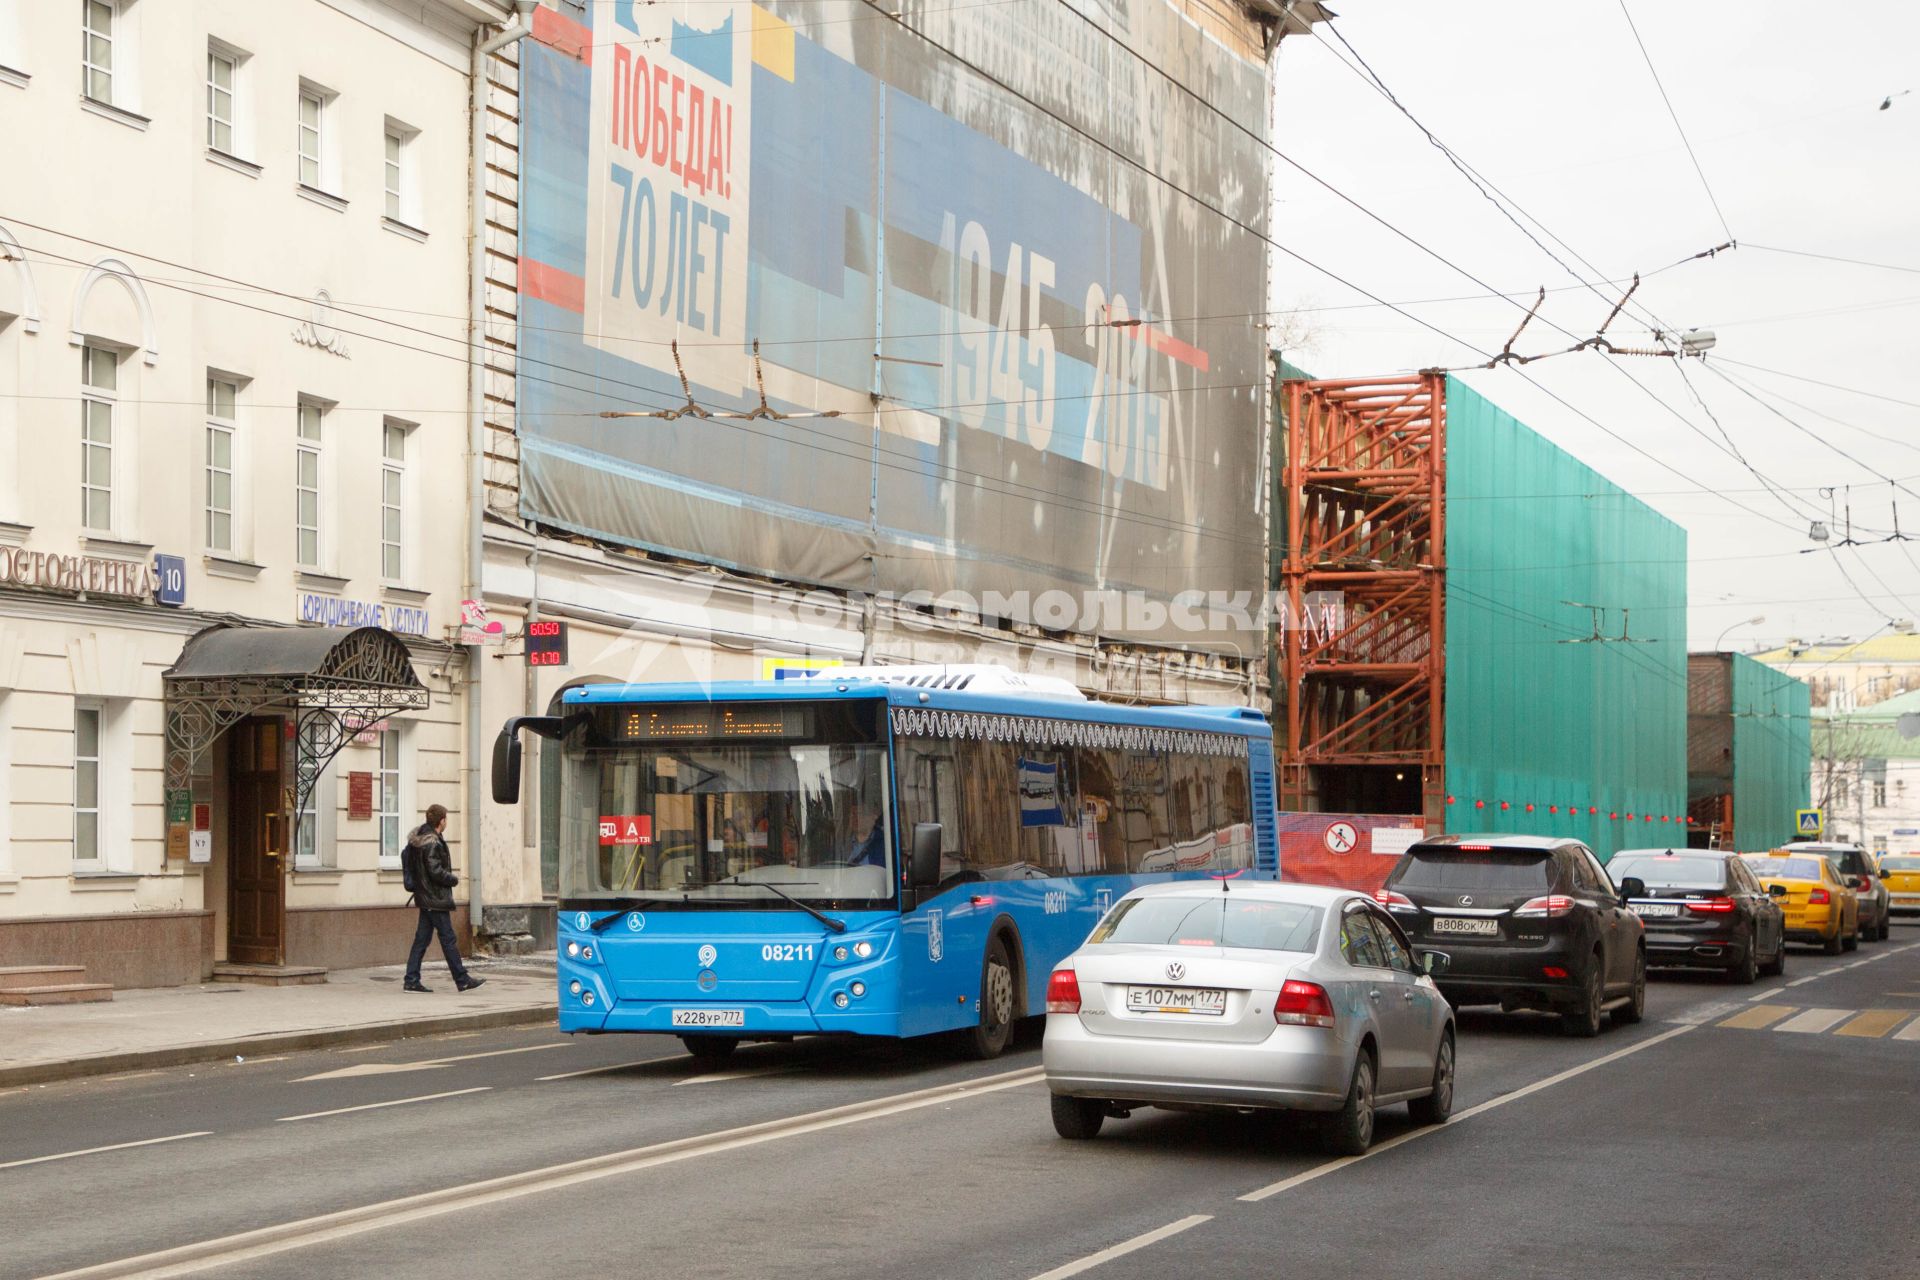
(989, 1037)
(710, 1048)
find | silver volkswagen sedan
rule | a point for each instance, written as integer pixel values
(1248, 995)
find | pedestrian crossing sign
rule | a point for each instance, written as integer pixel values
(1809, 822)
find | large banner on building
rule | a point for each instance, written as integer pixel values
(942, 299)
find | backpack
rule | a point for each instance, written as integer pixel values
(409, 868)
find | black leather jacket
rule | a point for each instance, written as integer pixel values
(432, 869)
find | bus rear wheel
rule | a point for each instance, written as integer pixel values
(989, 1037)
(710, 1048)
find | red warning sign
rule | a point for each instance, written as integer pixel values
(626, 828)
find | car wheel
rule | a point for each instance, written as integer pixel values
(1778, 965)
(1636, 1006)
(1832, 946)
(988, 1038)
(1584, 1019)
(1077, 1117)
(1852, 942)
(1350, 1129)
(710, 1048)
(1438, 1105)
(1747, 972)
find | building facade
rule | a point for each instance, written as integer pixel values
(233, 385)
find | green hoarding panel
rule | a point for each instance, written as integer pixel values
(1772, 753)
(1538, 711)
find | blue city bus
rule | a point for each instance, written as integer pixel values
(881, 852)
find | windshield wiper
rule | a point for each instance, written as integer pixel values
(619, 907)
(838, 926)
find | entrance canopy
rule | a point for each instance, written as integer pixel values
(334, 681)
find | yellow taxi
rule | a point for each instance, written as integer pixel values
(1902, 873)
(1819, 906)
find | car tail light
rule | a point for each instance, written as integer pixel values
(1711, 906)
(1819, 898)
(1553, 971)
(1553, 904)
(1394, 901)
(1303, 1004)
(1063, 992)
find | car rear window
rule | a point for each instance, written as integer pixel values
(1900, 864)
(1216, 920)
(1785, 868)
(1669, 871)
(1446, 869)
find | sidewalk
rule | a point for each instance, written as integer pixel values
(168, 1026)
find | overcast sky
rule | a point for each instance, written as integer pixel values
(1554, 104)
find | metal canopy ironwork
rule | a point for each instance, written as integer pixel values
(334, 681)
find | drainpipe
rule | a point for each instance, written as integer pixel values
(484, 46)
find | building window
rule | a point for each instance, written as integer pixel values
(221, 398)
(6, 784)
(389, 781)
(313, 843)
(223, 70)
(401, 182)
(98, 17)
(307, 487)
(99, 377)
(312, 109)
(86, 786)
(393, 478)
(396, 148)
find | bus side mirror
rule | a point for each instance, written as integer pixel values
(923, 868)
(506, 767)
(506, 753)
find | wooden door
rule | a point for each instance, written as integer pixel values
(256, 842)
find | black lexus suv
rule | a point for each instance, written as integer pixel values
(1529, 922)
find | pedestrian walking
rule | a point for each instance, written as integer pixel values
(426, 868)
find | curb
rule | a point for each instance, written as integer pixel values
(102, 1064)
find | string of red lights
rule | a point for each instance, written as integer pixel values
(1592, 811)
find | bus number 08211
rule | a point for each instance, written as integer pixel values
(787, 951)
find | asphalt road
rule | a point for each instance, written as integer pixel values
(1781, 1145)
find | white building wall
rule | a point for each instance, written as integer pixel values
(120, 225)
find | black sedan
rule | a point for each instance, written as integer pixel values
(1704, 910)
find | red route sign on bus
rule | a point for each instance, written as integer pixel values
(626, 829)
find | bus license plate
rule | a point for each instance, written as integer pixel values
(1466, 924)
(1207, 1001)
(709, 1017)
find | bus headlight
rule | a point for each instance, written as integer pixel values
(839, 953)
(573, 949)
(863, 950)
(840, 1000)
(586, 999)
(574, 986)
(859, 989)
(586, 953)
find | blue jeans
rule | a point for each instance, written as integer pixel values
(432, 922)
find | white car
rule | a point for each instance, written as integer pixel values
(1248, 995)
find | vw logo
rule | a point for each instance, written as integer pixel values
(1466, 899)
(1176, 971)
(707, 955)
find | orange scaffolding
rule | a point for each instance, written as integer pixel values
(1363, 573)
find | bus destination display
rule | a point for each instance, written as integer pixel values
(645, 724)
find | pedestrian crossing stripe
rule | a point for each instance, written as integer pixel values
(1862, 1024)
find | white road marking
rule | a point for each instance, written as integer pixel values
(1318, 1171)
(1815, 977)
(118, 1146)
(1909, 1032)
(395, 1102)
(1111, 1252)
(1814, 1021)
(427, 1064)
(265, 1241)
(618, 1066)
(745, 1073)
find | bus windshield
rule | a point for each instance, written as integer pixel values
(698, 804)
